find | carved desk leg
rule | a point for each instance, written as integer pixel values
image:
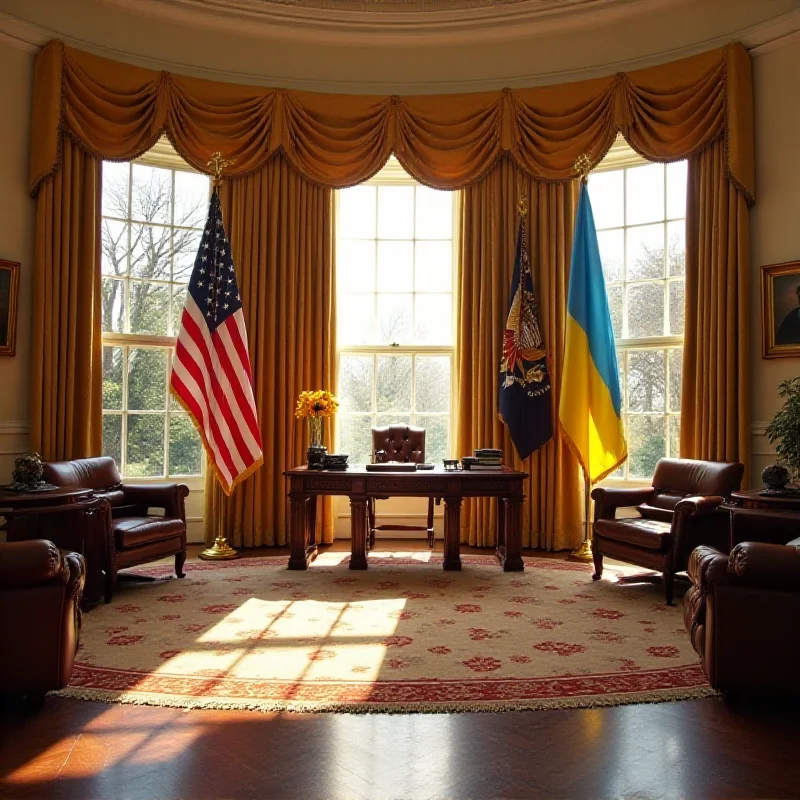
(512, 557)
(358, 532)
(500, 520)
(452, 533)
(298, 532)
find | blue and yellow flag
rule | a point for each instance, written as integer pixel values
(590, 408)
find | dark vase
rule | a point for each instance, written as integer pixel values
(775, 477)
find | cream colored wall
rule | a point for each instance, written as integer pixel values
(775, 222)
(17, 216)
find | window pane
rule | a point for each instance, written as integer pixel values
(432, 383)
(646, 444)
(112, 377)
(432, 321)
(112, 437)
(646, 375)
(150, 252)
(675, 376)
(393, 419)
(356, 218)
(185, 447)
(355, 436)
(355, 379)
(395, 266)
(433, 267)
(185, 245)
(394, 383)
(394, 318)
(113, 312)
(645, 310)
(675, 437)
(355, 265)
(615, 307)
(151, 197)
(178, 300)
(147, 378)
(434, 214)
(676, 307)
(676, 190)
(115, 248)
(644, 194)
(612, 253)
(645, 252)
(115, 189)
(676, 257)
(192, 195)
(145, 451)
(355, 316)
(149, 312)
(607, 195)
(436, 436)
(395, 212)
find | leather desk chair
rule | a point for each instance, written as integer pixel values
(135, 535)
(677, 513)
(404, 444)
(40, 617)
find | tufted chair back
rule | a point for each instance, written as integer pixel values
(400, 443)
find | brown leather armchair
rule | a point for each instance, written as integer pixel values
(741, 614)
(136, 536)
(676, 514)
(405, 444)
(40, 616)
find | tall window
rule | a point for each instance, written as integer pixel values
(640, 216)
(394, 273)
(151, 228)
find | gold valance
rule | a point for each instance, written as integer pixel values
(669, 112)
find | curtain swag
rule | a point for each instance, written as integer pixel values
(117, 111)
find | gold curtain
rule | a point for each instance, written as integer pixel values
(715, 413)
(552, 513)
(666, 112)
(280, 229)
(66, 357)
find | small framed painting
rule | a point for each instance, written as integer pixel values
(780, 310)
(9, 284)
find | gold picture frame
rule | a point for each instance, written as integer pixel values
(780, 310)
(9, 289)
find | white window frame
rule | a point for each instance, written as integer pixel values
(621, 157)
(392, 174)
(163, 156)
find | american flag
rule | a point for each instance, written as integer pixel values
(211, 376)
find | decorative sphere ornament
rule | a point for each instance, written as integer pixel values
(775, 477)
(28, 470)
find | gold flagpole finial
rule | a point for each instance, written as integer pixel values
(218, 164)
(583, 166)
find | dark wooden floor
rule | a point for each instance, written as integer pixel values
(695, 749)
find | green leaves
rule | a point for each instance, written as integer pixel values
(785, 426)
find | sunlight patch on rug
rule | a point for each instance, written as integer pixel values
(402, 636)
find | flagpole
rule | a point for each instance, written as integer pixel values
(220, 550)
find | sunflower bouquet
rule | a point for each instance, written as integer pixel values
(316, 404)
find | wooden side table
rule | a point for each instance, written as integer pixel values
(757, 500)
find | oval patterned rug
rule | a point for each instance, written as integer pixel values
(403, 636)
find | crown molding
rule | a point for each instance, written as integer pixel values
(760, 39)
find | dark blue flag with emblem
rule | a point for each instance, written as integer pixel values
(524, 401)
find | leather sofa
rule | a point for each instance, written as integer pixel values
(135, 536)
(404, 444)
(676, 514)
(40, 616)
(741, 613)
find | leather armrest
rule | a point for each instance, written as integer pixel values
(699, 505)
(169, 496)
(707, 567)
(608, 500)
(28, 563)
(766, 566)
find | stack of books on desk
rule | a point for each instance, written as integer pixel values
(487, 458)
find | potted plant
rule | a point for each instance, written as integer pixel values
(785, 430)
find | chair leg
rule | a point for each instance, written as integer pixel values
(430, 522)
(180, 560)
(110, 583)
(597, 557)
(669, 583)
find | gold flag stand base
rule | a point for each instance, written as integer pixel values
(219, 551)
(583, 553)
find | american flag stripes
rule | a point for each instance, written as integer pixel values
(211, 376)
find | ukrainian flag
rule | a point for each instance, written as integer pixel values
(590, 407)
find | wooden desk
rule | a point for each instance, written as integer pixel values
(358, 484)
